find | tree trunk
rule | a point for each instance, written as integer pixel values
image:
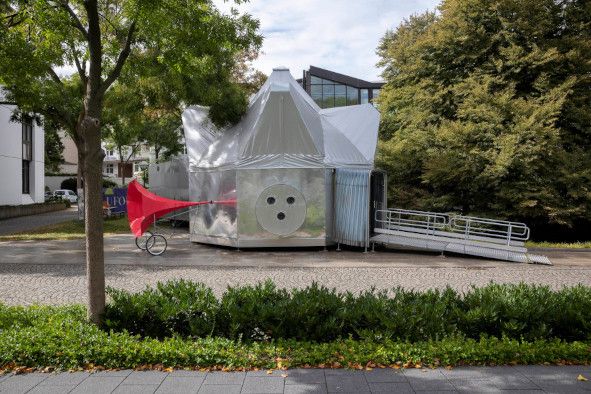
(93, 215)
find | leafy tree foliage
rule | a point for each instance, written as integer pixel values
(53, 148)
(487, 110)
(188, 44)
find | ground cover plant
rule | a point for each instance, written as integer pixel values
(61, 337)
(264, 312)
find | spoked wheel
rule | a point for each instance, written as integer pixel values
(156, 244)
(141, 241)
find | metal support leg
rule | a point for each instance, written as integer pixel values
(338, 247)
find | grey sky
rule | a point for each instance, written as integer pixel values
(341, 35)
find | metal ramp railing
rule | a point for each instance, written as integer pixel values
(498, 239)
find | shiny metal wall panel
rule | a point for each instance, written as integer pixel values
(170, 179)
(215, 220)
(310, 182)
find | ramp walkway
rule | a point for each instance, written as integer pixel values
(422, 230)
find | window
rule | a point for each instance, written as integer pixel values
(352, 96)
(364, 96)
(340, 95)
(328, 94)
(109, 168)
(27, 153)
(376, 94)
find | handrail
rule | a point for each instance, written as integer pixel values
(421, 221)
(500, 229)
(470, 227)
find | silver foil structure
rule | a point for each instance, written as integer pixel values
(300, 175)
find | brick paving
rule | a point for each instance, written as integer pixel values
(53, 272)
(517, 379)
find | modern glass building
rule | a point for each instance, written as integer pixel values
(330, 89)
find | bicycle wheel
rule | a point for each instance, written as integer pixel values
(156, 244)
(141, 241)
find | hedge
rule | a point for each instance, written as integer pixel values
(316, 313)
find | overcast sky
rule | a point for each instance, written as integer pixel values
(340, 35)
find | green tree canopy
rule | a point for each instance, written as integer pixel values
(190, 45)
(487, 109)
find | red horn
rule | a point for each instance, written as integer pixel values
(143, 207)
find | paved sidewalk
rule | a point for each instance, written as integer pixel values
(30, 222)
(519, 379)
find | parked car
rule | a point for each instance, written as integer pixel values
(66, 195)
(48, 196)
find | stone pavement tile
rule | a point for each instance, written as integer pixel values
(264, 372)
(261, 384)
(307, 388)
(145, 377)
(347, 383)
(122, 372)
(496, 384)
(220, 389)
(180, 384)
(391, 387)
(513, 382)
(428, 380)
(475, 386)
(48, 389)
(305, 376)
(227, 378)
(187, 374)
(21, 383)
(466, 373)
(65, 379)
(98, 385)
(553, 372)
(385, 375)
(564, 386)
(135, 389)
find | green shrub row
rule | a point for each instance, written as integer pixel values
(316, 313)
(60, 337)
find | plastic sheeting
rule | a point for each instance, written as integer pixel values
(143, 207)
(351, 204)
(283, 128)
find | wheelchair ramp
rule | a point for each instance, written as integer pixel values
(494, 239)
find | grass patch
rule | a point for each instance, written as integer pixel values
(72, 229)
(44, 336)
(561, 245)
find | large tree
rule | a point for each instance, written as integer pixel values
(487, 110)
(191, 40)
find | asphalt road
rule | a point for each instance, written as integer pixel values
(30, 222)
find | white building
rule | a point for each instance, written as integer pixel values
(22, 160)
(114, 170)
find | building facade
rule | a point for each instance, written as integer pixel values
(22, 159)
(139, 161)
(330, 89)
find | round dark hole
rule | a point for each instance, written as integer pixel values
(270, 200)
(290, 200)
(280, 216)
